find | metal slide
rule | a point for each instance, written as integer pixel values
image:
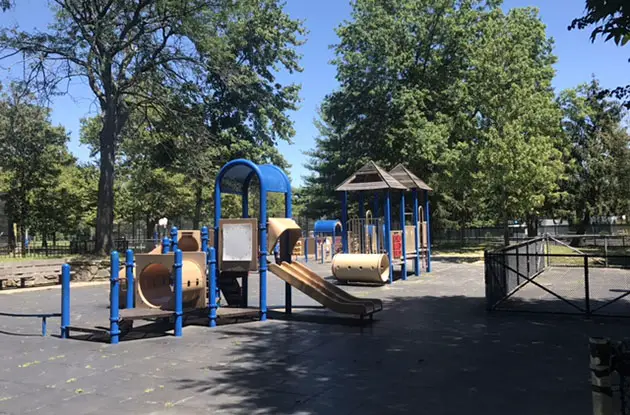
(322, 291)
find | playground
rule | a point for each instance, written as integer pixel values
(432, 347)
(236, 319)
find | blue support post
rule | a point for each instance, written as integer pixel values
(404, 238)
(387, 236)
(333, 245)
(377, 231)
(43, 326)
(205, 236)
(179, 293)
(212, 306)
(166, 245)
(428, 215)
(156, 238)
(416, 260)
(130, 280)
(306, 248)
(362, 216)
(315, 238)
(114, 292)
(65, 301)
(288, 295)
(174, 234)
(344, 222)
(262, 270)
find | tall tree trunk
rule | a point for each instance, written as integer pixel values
(22, 232)
(532, 226)
(115, 116)
(198, 205)
(11, 235)
(105, 207)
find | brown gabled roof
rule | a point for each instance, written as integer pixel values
(407, 178)
(370, 177)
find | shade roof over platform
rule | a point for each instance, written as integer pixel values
(370, 177)
(236, 175)
(407, 178)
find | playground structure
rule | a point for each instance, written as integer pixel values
(371, 234)
(324, 241)
(191, 273)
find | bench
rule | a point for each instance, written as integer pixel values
(28, 270)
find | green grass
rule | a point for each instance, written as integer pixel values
(4, 259)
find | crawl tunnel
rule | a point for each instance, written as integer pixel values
(154, 281)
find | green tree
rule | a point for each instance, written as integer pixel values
(134, 53)
(599, 154)
(610, 20)
(519, 122)
(404, 97)
(33, 154)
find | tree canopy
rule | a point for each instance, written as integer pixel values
(217, 57)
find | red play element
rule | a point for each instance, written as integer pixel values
(397, 245)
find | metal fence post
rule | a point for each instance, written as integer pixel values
(606, 250)
(527, 258)
(65, 301)
(587, 294)
(518, 266)
(114, 292)
(179, 295)
(488, 282)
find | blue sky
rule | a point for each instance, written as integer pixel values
(578, 60)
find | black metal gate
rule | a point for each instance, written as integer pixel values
(531, 277)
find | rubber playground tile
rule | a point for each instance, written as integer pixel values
(326, 403)
(251, 403)
(53, 375)
(31, 399)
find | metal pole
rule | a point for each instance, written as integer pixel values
(130, 279)
(174, 233)
(587, 290)
(606, 250)
(179, 294)
(65, 301)
(416, 259)
(344, 222)
(166, 245)
(388, 228)
(262, 269)
(286, 256)
(428, 217)
(114, 292)
(212, 258)
(306, 248)
(205, 236)
(404, 238)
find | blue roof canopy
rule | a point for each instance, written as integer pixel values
(235, 177)
(327, 226)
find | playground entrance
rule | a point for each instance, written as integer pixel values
(546, 275)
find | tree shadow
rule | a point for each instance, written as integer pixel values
(443, 354)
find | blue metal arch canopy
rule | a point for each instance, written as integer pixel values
(235, 176)
(327, 226)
